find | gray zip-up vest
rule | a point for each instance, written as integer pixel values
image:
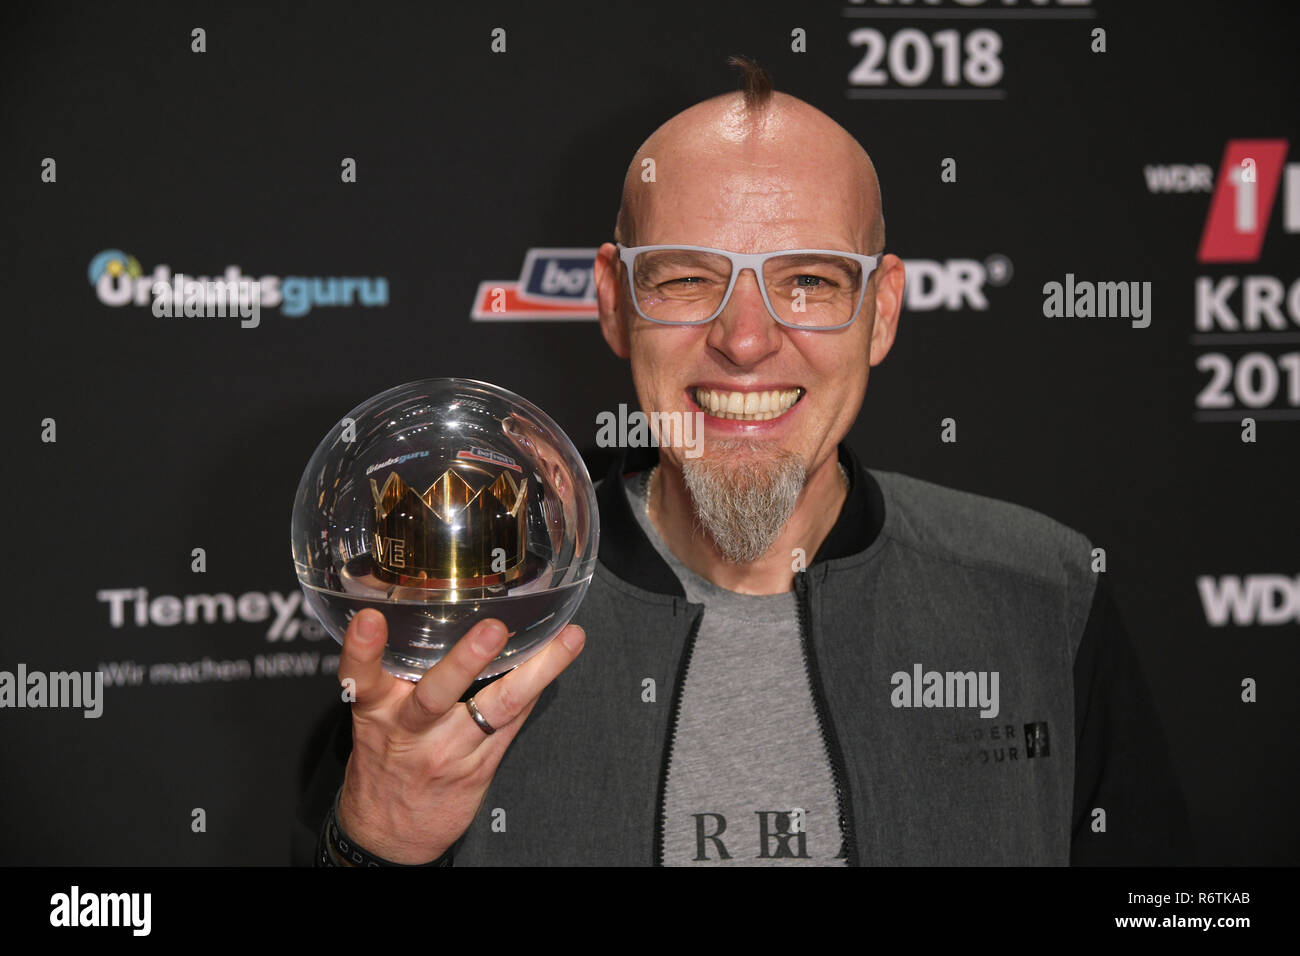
(972, 682)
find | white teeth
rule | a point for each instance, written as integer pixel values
(747, 406)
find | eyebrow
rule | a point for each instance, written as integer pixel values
(671, 256)
(814, 257)
(666, 258)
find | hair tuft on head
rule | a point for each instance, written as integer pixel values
(755, 82)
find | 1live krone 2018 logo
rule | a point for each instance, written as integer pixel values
(1248, 319)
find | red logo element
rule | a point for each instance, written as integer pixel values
(485, 454)
(1243, 200)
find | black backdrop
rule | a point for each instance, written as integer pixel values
(183, 433)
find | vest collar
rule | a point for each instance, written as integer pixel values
(627, 552)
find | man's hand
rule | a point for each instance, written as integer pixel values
(420, 765)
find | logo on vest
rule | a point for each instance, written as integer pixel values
(1003, 743)
(780, 835)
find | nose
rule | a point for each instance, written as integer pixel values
(745, 331)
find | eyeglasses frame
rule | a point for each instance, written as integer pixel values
(740, 261)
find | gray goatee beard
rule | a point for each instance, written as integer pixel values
(742, 501)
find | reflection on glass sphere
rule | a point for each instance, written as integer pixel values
(440, 503)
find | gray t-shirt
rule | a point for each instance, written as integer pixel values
(749, 782)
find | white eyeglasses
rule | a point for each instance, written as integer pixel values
(819, 289)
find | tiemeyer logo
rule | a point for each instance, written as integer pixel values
(119, 280)
(136, 607)
(1264, 599)
(1249, 319)
(559, 285)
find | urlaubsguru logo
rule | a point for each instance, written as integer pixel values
(119, 280)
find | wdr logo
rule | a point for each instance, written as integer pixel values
(1266, 599)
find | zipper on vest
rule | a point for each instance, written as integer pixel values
(662, 803)
(829, 741)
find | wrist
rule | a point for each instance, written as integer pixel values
(343, 850)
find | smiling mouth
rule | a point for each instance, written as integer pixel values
(747, 406)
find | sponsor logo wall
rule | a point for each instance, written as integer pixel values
(1026, 160)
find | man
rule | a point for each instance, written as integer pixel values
(793, 660)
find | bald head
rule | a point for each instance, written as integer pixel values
(791, 160)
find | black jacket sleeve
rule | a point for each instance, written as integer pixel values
(1122, 758)
(327, 758)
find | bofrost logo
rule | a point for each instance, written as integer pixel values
(554, 285)
(1266, 599)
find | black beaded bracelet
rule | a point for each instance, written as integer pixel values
(337, 849)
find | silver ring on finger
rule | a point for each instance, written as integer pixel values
(479, 718)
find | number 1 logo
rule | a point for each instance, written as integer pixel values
(1243, 200)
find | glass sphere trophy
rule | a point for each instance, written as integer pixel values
(440, 503)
